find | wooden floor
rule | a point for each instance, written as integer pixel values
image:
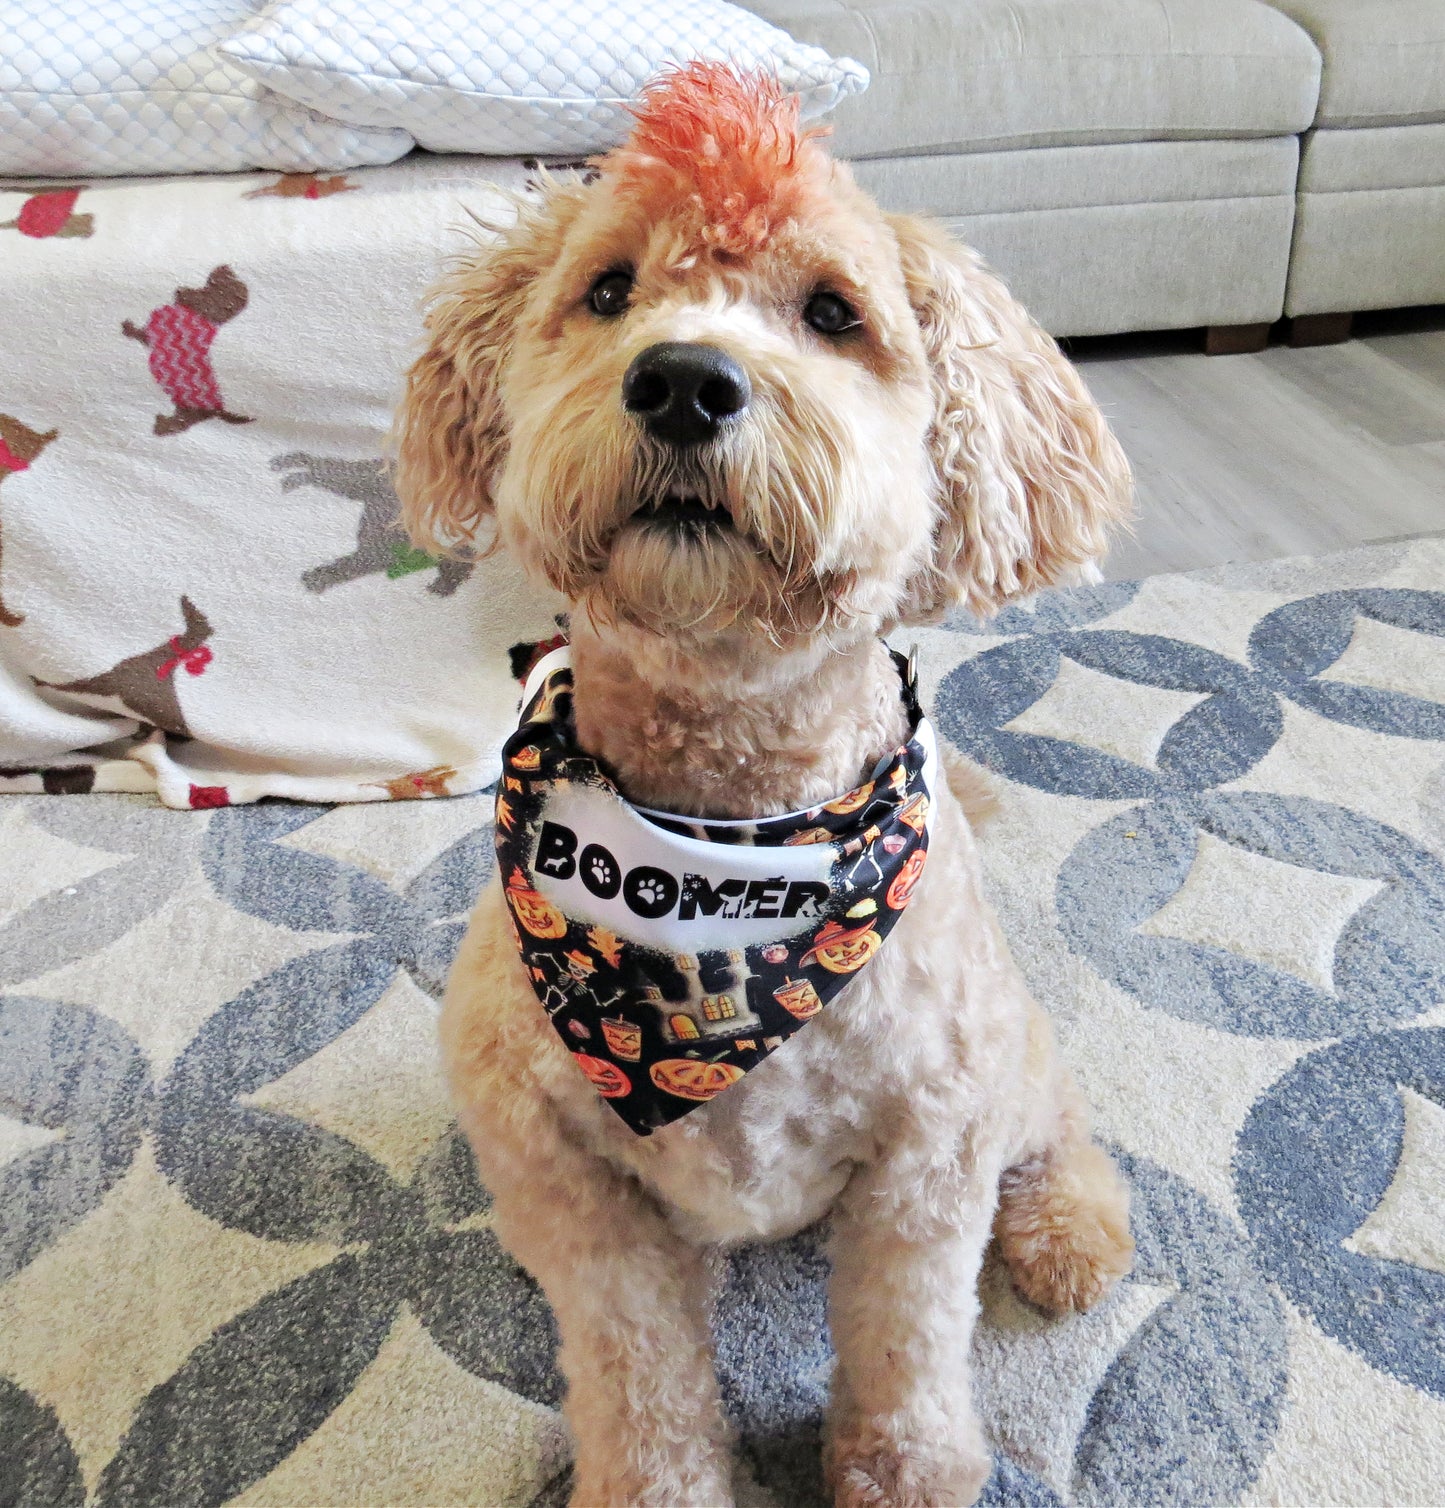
(1287, 452)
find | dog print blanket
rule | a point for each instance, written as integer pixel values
(203, 588)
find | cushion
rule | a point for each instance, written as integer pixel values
(543, 76)
(979, 75)
(1384, 59)
(1126, 172)
(203, 588)
(126, 86)
(1373, 158)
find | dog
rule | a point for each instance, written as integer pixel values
(380, 546)
(19, 447)
(178, 337)
(746, 423)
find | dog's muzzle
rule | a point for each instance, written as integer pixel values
(684, 392)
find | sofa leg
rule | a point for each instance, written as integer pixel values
(1235, 340)
(1319, 329)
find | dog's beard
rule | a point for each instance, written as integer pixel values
(703, 547)
(671, 571)
(733, 537)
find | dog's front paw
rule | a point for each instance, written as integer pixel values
(903, 1474)
(1064, 1230)
(666, 1490)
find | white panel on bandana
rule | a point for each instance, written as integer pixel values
(601, 861)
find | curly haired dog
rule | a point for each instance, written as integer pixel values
(747, 422)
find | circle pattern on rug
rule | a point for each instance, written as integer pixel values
(1389, 959)
(1218, 740)
(1294, 645)
(1062, 608)
(1313, 1160)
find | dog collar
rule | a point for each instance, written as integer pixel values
(671, 954)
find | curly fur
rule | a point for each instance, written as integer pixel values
(745, 130)
(944, 452)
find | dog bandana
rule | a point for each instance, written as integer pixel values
(672, 954)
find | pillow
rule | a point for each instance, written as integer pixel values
(129, 87)
(547, 76)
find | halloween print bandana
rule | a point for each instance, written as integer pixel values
(674, 954)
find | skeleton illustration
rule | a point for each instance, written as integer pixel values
(567, 981)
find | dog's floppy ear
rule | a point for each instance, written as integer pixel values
(450, 434)
(1030, 478)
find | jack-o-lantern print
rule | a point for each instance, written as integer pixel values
(533, 910)
(842, 950)
(900, 892)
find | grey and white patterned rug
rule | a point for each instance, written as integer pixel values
(244, 1259)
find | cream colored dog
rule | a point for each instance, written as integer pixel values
(747, 422)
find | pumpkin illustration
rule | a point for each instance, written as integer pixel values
(607, 1078)
(528, 758)
(914, 812)
(852, 801)
(900, 892)
(841, 950)
(533, 910)
(689, 1079)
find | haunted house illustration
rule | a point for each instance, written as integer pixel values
(716, 1002)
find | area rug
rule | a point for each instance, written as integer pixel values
(244, 1258)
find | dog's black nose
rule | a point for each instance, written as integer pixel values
(684, 392)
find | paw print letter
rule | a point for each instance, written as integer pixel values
(601, 873)
(649, 892)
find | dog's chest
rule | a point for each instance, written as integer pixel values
(771, 1155)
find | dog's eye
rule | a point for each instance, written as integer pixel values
(609, 294)
(830, 315)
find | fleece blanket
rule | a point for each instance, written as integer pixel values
(203, 591)
(244, 1257)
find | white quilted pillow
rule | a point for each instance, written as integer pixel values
(548, 76)
(102, 87)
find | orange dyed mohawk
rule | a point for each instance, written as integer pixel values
(731, 142)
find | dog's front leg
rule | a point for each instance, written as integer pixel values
(631, 1300)
(907, 1247)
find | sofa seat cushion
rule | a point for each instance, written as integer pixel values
(1384, 59)
(1366, 159)
(1048, 178)
(982, 75)
(1133, 235)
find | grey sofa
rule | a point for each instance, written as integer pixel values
(1370, 230)
(1161, 164)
